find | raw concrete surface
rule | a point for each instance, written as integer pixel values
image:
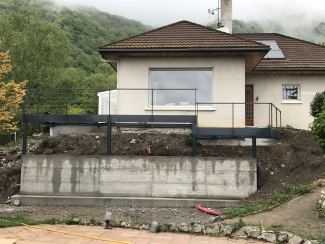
(26, 235)
(131, 176)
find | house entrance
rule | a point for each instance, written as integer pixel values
(249, 106)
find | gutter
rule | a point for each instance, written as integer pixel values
(154, 50)
(291, 69)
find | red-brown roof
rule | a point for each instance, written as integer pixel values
(184, 35)
(299, 55)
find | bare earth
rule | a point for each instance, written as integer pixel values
(26, 235)
(298, 215)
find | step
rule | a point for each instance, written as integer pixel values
(132, 202)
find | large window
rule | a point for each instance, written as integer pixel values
(164, 79)
(290, 92)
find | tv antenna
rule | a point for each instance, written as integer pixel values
(216, 11)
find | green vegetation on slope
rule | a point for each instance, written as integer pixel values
(53, 47)
(259, 206)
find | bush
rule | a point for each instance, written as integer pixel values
(318, 104)
(318, 128)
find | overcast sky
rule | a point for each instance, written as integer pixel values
(161, 12)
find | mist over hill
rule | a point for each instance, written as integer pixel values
(311, 31)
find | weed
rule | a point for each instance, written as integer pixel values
(267, 204)
(320, 205)
(52, 221)
(92, 221)
(239, 224)
(188, 140)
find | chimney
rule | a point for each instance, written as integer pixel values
(226, 16)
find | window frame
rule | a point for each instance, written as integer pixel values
(285, 100)
(208, 107)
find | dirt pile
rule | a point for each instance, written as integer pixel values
(295, 158)
(10, 165)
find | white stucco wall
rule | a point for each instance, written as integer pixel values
(228, 86)
(268, 88)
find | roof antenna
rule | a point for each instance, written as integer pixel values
(216, 11)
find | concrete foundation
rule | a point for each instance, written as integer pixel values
(112, 178)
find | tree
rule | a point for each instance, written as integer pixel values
(317, 110)
(318, 104)
(38, 48)
(11, 96)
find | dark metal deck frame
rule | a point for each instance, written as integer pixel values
(148, 121)
(152, 121)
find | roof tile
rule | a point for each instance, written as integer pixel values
(183, 34)
(299, 54)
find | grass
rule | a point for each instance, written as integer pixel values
(266, 204)
(320, 238)
(17, 220)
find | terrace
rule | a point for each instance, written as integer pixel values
(150, 108)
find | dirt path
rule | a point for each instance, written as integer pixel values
(298, 215)
(25, 235)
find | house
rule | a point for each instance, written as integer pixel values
(183, 75)
(236, 77)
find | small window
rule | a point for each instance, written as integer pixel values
(291, 92)
(176, 80)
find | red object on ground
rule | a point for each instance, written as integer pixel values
(207, 210)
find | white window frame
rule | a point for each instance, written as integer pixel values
(208, 107)
(298, 100)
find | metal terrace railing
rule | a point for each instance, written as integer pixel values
(151, 101)
(232, 115)
(121, 101)
(156, 108)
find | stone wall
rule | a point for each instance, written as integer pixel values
(125, 176)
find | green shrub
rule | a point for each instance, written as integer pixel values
(238, 225)
(318, 128)
(318, 104)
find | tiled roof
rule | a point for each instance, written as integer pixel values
(184, 35)
(299, 55)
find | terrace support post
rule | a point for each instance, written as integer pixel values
(109, 138)
(24, 147)
(194, 139)
(253, 147)
(152, 118)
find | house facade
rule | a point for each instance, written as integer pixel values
(230, 78)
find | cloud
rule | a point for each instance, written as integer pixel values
(157, 12)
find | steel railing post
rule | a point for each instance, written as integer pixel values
(271, 115)
(152, 105)
(24, 147)
(254, 154)
(109, 138)
(276, 118)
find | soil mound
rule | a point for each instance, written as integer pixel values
(296, 158)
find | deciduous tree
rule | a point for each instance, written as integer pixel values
(11, 96)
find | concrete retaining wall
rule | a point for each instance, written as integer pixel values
(124, 176)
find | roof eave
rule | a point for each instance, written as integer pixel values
(291, 70)
(162, 50)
